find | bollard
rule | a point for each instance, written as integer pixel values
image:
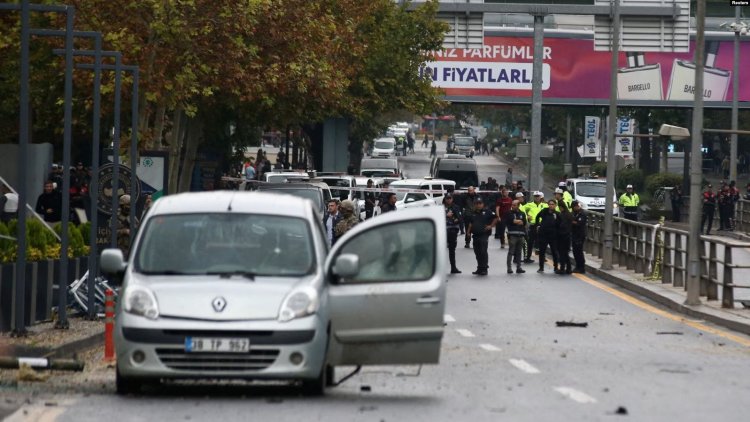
(109, 325)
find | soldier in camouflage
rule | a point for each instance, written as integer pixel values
(349, 220)
(123, 225)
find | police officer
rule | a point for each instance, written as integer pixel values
(348, 220)
(532, 209)
(629, 202)
(564, 229)
(566, 196)
(515, 221)
(546, 223)
(453, 223)
(482, 222)
(469, 200)
(123, 225)
(390, 203)
(370, 200)
(709, 207)
(578, 237)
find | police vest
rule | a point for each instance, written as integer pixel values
(629, 200)
(532, 210)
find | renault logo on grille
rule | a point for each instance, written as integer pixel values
(219, 304)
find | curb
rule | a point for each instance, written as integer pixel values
(75, 347)
(691, 311)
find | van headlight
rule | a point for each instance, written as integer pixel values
(141, 301)
(299, 303)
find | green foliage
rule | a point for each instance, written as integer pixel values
(7, 246)
(85, 229)
(659, 180)
(627, 176)
(599, 168)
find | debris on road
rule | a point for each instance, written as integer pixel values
(473, 299)
(621, 411)
(571, 324)
(672, 333)
(27, 373)
(366, 388)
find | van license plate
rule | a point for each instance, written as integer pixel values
(217, 345)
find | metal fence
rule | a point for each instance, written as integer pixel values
(742, 216)
(660, 253)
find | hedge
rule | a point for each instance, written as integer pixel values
(41, 244)
(628, 176)
(660, 180)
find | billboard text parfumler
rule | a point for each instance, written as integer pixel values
(573, 73)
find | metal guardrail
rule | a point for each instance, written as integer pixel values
(660, 253)
(742, 216)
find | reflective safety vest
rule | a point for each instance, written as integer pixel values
(532, 209)
(630, 200)
(568, 199)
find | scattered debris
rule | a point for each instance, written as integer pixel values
(27, 373)
(563, 355)
(572, 324)
(621, 411)
(473, 299)
(720, 344)
(605, 389)
(606, 313)
(366, 388)
(673, 333)
(367, 408)
(675, 371)
(50, 403)
(622, 323)
(555, 341)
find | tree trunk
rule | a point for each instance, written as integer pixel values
(156, 142)
(193, 140)
(175, 146)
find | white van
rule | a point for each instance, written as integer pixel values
(414, 199)
(383, 148)
(591, 194)
(381, 168)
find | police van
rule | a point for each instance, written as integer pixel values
(461, 170)
(591, 194)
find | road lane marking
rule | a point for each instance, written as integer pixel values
(575, 395)
(490, 348)
(449, 318)
(465, 333)
(653, 309)
(524, 366)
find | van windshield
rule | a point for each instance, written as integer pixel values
(400, 195)
(463, 179)
(377, 173)
(384, 144)
(591, 189)
(226, 243)
(465, 141)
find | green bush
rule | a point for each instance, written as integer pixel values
(85, 229)
(7, 246)
(599, 168)
(629, 177)
(659, 180)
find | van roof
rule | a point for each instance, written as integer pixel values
(425, 181)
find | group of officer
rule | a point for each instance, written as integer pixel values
(557, 224)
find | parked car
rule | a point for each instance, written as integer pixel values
(221, 286)
(591, 193)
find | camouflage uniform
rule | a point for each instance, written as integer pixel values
(349, 220)
(123, 225)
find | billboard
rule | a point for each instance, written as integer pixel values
(573, 73)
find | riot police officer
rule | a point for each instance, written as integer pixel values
(578, 237)
(482, 223)
(453, 221)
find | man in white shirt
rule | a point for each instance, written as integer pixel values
(10, 206)
(330, 220)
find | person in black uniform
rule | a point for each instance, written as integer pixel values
(709, 207)
(390, 203)
(481, 226)
(564, 229)
(370, 201)
(468, 202)
(453, 223)
(547, 223)
(515, 221)
(579, 236)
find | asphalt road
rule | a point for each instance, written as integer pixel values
(503, 358)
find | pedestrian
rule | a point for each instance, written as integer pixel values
(677, 200)
(725, 166)
(370, 200)
(629, 202)
(468, 202)
(453, 223)
(515, 221)
(425, 141)
(735, 193)
(390, 203)
(348, 219)
(578, 236)
(509, 178)
(433, 149)
(502, 206)
(532, 209)
(123, 225)
(331, 219)
(725, 206)
(546, 223)
(709, 207)
(480, 227)
(49, 203)
(564, 231)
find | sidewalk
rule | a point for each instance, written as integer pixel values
(672, 297)
(45, 341)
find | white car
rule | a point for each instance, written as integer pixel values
(383, 148)
(416, 198)
(591, 193)
(219, 286)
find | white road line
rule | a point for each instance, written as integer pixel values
(575, 395)
(465, 333)
(524, 366)
(490, 348)
(449, 318)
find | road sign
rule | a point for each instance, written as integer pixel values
(646, 33)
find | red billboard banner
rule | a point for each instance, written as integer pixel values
(573, 73)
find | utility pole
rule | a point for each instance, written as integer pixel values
(735, 95)
(695, 245)
(535, 168)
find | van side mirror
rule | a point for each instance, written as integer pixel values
(112, 261)
(347, 265)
